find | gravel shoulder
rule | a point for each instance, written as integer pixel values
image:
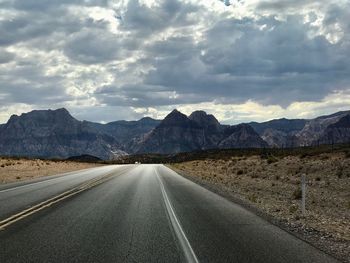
(15, 170)
(270, 187)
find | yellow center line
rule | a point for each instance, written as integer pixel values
(47, 203)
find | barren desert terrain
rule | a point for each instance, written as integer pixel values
(18, 169)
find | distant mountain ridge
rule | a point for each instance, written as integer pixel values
(57, 134)
(283, 125)
(302, 132)
(200, 131)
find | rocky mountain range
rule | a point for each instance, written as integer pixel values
(200, 131)
(56, 134)
(328, 129)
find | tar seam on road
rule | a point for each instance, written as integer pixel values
(47, 203)
(180, 234)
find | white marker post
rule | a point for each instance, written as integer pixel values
(303, 193)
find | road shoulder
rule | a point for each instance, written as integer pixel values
(339, 249)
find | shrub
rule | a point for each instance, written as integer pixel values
(339, 172)
(239, 172)
(347, 154)
(297, 194)
(325, 157)
(254, 175)
(293, 208)
(253, 198)
(271, 159)
(318, 178)
(304, 155)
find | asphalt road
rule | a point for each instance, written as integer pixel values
(18, 196)
(143, 213)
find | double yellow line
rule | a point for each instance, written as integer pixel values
(47, 203)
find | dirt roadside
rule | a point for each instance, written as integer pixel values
(271, 188)
(14, 170)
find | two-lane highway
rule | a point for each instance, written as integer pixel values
(144, 213)
(18, 196)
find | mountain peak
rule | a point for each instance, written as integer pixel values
(203, 119)
(49, 117)
(147, 120)
(175, 115)
(61, 110)
(198, 113)
(175, 111)
(176, 118)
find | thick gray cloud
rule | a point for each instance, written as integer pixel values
(269, 61)
(92, 47)
(48, 5)
(6, 56)
(145, 20)
(30, 25)
(148, 54)
(14, 87)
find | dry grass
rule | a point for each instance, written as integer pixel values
(273, 185)
(13, 170)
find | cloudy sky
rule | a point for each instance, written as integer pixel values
(240, 60)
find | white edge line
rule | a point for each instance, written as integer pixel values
(185, 244)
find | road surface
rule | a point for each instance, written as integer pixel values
(139, 213)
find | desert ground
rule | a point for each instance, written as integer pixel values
(18, 169)
(272, 185)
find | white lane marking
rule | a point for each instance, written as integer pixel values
(180, 234)
(52, 180)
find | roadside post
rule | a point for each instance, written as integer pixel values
(303, 193)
